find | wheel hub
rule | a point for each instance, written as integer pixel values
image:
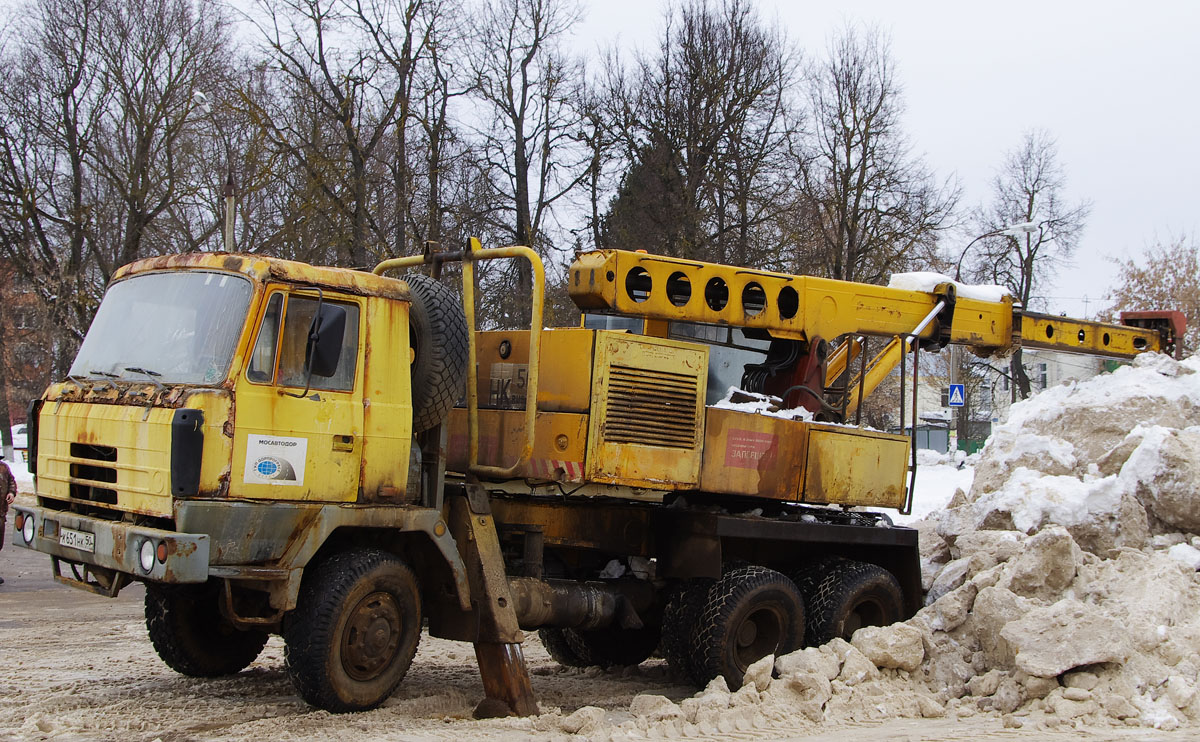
(372, 636)
(758, 635)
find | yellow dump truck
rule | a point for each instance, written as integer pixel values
(339, 457)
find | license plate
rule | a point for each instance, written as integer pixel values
(77, 539)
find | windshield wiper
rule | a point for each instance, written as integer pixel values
(148, 373)
(107, 378)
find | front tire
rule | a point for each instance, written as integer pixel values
(354, 632)
(192, 637)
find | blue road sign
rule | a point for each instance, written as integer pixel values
(958, 395)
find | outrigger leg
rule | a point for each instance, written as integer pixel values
(498, 643)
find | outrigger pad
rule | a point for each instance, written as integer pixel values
(505, 681)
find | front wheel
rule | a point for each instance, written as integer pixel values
(190, 634)
(354, 632)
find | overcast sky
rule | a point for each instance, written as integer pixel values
(1117, 84)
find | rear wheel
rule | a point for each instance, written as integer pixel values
(354, 632)
(843, 596)
(192, 637)
(555, 641)
(607, 647)
(680, 616)
(751, 612)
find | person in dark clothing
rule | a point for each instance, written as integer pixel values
(8, 493)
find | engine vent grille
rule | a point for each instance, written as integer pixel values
(651, 408)
(89, 470)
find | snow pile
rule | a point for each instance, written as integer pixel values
(1062, 589)
(759, 404)
(928, 282)
(1114, 459)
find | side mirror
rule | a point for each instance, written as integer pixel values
(325, 338)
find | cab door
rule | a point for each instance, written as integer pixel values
(298, 434)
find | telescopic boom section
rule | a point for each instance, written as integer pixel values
(807, 308)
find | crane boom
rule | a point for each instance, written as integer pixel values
(804, 308)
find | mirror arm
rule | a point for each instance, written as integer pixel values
(314, 333)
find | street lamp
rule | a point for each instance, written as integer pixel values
(230, 189)
(964, 415)
(1012, 230)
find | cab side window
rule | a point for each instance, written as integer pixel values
(291, 340)
(262, 358)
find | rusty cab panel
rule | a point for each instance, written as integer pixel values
(334, 438)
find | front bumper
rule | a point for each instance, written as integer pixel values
(186, 555)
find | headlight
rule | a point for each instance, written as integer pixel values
(27, 529)
(146, 555)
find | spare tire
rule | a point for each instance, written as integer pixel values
(438, 336)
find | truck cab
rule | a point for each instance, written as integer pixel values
(212, 379)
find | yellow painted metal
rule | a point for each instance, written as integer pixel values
(753, 455)
(878, 368)
(263, 269)
(474, 253)
(646, 426)
(139, 478)
(799, 307)
(387, 400)
(842, 357)
(503, 380)
(217, 406)
(535, 343)
(560, 443)
(327, 426)
(1064, 334)
(851, 466)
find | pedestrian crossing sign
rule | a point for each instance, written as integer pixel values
(958, 395)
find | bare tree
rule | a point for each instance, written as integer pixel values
(49, 119)
(526, 83)
(346, 69)
(702, 125)
(1167, 277)
(866, 206)
(1029, 189)
(154, 57)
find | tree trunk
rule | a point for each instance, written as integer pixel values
(1020, 378)
(5, 418)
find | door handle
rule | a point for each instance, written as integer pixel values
(343, 443)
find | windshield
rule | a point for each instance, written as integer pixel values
(172, 328)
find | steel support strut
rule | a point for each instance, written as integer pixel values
(498, 637)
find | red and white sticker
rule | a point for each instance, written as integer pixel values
(750, 449)
(571, 471)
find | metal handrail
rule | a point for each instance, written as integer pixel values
(473, 253)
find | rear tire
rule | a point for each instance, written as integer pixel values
(438, 335)
(751, 612)
(843, 596)
(192, 637)
(608, 647)
(354, 631)
(554, 639)
(680, 617)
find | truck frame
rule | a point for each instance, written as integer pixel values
(273, 447)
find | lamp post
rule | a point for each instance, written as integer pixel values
(230, 190)
(964, 415)
(1011, 230)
